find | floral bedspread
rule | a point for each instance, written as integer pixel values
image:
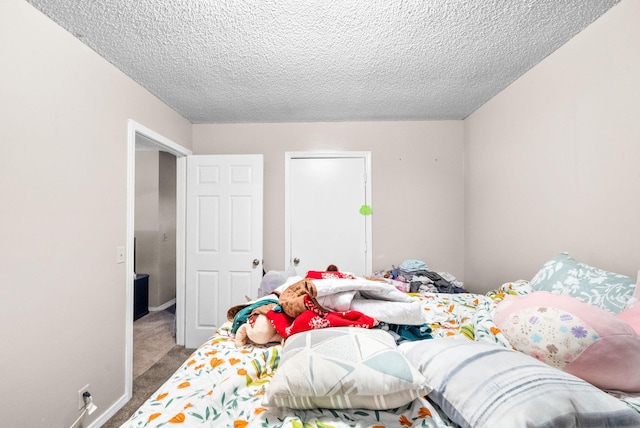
(467, 314)
(221, 385)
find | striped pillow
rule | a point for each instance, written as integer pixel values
(481, 384)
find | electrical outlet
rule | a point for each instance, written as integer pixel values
(80, 397)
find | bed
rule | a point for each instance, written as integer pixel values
(559, 350)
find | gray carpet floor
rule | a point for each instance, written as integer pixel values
(152, 338)
(155, 358)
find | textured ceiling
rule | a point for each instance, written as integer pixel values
(226, 61)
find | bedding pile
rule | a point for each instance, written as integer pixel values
(482, 361)
(415, 276)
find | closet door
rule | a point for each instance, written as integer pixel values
(327, 221)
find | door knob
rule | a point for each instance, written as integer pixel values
(296, 261)
(256, 262)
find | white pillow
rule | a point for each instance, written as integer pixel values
(484, 385)
(343, 368)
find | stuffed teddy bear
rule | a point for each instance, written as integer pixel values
(258, 330)
(292, 298)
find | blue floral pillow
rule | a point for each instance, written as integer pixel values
(564, 275)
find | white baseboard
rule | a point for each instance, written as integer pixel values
(108, 414)
(163, 306)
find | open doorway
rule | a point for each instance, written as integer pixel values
(154, 324)
(142, 139)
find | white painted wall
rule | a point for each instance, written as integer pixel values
(551, 163)
(417, 182)
(63, 167)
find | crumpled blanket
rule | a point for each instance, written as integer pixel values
(240, 314)
(316, 274)
(403, 333)
(376, 299)
(315, 317)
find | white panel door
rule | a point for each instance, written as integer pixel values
(325, 194)
(223, 239)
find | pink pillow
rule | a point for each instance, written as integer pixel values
(574, 336)
(632, 317)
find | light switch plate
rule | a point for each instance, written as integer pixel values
(120, 255)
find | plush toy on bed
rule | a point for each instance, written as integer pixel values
(258, 330)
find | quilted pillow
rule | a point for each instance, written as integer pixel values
(484, 385)
(573, 336)
(564, 275)
(343, 368)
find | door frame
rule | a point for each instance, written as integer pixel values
(288, 157)
(135, 130)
